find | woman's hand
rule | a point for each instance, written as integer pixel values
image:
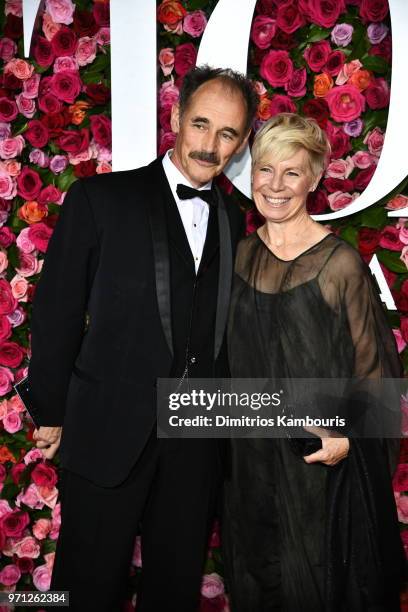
(333, 449)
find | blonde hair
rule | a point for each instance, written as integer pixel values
(286, 133)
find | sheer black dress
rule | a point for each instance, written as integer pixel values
(303, 537)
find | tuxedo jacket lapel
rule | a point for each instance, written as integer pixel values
(158, 227)
(225, 273)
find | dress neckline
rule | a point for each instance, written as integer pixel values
(297, 256)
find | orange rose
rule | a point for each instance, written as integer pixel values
(361, 79)
(78, 111)
(32, 211)
(5, 455)
(322, 84)
(170, 12)
(264, 108)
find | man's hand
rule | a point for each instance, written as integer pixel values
(48, 439)
(334, 449)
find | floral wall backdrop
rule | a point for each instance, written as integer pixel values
(327, 59)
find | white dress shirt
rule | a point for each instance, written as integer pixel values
(194, 213)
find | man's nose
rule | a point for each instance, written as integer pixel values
(209, 143)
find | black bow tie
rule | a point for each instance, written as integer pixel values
(185, 192)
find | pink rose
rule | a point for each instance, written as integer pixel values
(33, 455)
(41, 527)
(6, 380)
(317, 55)
(66, 85)
(347, 70)
(8, 48)
(19, 287)
(42, 576)
(345, 103)
(30, 497)
(28, 265)
(8, 187)
(398, 201)
(137, 552)
(61, 11)
(86, 51)
(212, 586)
(168, 95)
(166, 60)
(362, 159)
(40, 234)
(8, 303)
(14, 7)
(49, 26)
(277, 68)
(185, 58)
(27, 547)
(10, 575)
(167, 140)
(30, 86)
(5, 507)
(102, 36)
(339, 200)
(20, 68)
(401, 501)
(65, 63)
(340, 168)
(12, 422)
(377, 94)
(263, 30)
(26, 106)
(390, 239)
(11, 147)
(375, 141)
(296, 87)
(194, 23)
(23, 241)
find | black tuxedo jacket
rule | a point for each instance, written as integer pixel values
(101, 330)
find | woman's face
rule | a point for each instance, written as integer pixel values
(280, 188)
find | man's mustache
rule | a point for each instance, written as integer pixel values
(205, 156)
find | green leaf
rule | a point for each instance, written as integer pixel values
(9, 491)
(350, 234)
(359, 43)
(376, 64)
(374, 119)
(374, 217)
(12, 255)
(392, 261)
(316, 33)
(194, 5)
(65, 180)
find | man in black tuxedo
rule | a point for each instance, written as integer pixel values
(135, 286)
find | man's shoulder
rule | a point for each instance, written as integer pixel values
(120, 178)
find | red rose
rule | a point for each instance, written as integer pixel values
(28, 183)
(364, 177)
(44, 475)
(404, 328)
(377, 94)
(55, 122)
(317, 202)
(66, 85)
(8, 110)
(400, 478)
(49, 194)
(289, 19)
(49, 103)
(7, 237)
(84, 23)
(383, 49)
(334, 184)
(339, 141)
(170, 12)
(373, 10)
(13, 523)
(345, 103)
(10, 81)
(184, 58)
(98, 92)
(389, 239)
(36, 133)
(368, 240)
(164, 118)
(167, 140)
(281, 104)
(43, 52)
(74, 141)
(40, 234)
(262, 31)
(325, 12)
(101, 129)
(11, 354)
(277, 68)
(5, 328)
(101, 13)
(335, 62)
(8, 302)
(318, 110)
(296, 87)
(64, 42)
(283, 41)
(267, 7)
(25, 565)
(14, 27)
(317, 55)
(85, 168)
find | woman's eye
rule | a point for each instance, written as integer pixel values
(291, 173)
(265, 169)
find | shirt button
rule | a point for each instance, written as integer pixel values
(193, 359)
(195, 224)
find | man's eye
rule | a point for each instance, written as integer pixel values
(199, 126)
(227, 135)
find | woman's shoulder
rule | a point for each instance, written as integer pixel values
(344, 259)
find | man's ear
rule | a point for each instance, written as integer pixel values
(175, 118)
(243, 143)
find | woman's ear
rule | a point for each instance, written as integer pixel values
(316, 181)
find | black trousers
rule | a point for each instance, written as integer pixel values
(172, 491)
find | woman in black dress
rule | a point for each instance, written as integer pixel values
(317, 532)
